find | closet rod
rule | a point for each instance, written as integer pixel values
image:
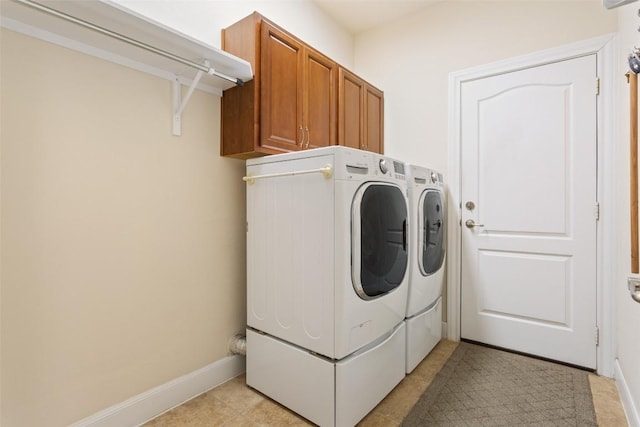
(129, 40)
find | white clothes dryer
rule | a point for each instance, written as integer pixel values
(427, 254)
(327, 257)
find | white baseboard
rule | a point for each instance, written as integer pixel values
(630, 409)
(145, 406)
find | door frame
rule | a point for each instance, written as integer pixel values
(605, 48)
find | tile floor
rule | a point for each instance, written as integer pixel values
(235, 404)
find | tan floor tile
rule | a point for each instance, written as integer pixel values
(431, 365)
(376, 419)
(203, 410)
(606, 400)
(269, 413)
(237, 394)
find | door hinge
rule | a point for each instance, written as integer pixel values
(597, 336)
(596, 211)
(597, 85)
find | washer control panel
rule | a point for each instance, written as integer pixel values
(396, 168)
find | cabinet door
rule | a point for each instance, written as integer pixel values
(350, 110)
(374, 120)
(319, 95)
(281, 90)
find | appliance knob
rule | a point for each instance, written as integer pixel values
(434, 177)
(383, 166)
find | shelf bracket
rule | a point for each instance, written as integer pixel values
(179, 104)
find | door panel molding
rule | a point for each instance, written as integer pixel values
(605, 48)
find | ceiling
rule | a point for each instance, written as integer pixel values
(360, 15)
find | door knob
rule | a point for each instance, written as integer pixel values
(634, 288)
(471, 223)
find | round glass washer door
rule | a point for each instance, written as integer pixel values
(431, 232)
(378, 239)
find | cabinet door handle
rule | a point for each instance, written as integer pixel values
(308, 138)
(301, 138)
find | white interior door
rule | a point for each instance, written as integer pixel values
(528, 192)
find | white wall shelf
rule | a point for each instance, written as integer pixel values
(115, 18)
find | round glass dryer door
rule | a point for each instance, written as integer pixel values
(379, 239)
(432, 232)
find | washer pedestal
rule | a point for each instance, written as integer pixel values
(326, 392)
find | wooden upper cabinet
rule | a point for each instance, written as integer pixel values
(319, 100)
(360, 113)
(350, 110)
(291, 103)
(281, 90)
(298, 98)
(374, 119)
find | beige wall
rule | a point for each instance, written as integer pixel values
(411, 59)
(122, 246)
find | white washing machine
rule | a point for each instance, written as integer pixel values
(327, 257)
(427, 253)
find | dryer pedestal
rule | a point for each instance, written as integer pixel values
(424, 331)
(427, 237)
(327, 393)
